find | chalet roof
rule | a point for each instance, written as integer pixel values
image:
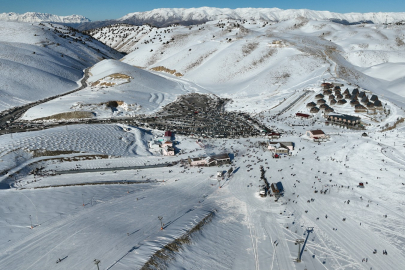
(370, 104)
(364, 99)
(321, 101)
(314, 110)
(362, 94)
(311, 104)
(346, 91)
(331, 97)
(345, 117)
(355, 91)
(339, 96)
(377, 103)
(317, 132)
(302, 114)
(374, 98)
(319, 96)
(342, 101)
(359, 106)
(333, 101)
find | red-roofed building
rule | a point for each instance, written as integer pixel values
(302, 115)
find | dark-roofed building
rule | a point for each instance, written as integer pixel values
(355, 91)
(370, 105)
(348, 96)
(311, 105)
(329, 110)
(331, 97)
(364, 100)
(319, 96)
(354, 102)
(327, 85)
(374, 98)
(327, 92)
(346, 91)
(337, 87)
(378, 104)
(333, 102)
(339, 96)
(314, 110)
(323, 106)
(360, 108)
(362, 94)
(302, 115)
(344, 118)
(321, 101)
(342, 102)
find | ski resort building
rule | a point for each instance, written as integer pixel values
(344, 119)
(316, 134)
(210, 161)
(283, 148)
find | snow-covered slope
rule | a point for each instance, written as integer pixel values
(135, 90)
(42, 60)
(166, 16)
(42, 17)
(266, 62)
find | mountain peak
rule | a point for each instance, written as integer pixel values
(42, 17)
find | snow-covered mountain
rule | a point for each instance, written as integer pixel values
(256, 60)
(166, 16)
(42, 17)
(40, 60)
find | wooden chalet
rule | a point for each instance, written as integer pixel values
(360, 108)
(344, 118)
(342, 102)
(314, 110)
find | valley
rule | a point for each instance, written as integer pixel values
(220, 143)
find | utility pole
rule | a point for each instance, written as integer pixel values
(96, 262)
(161, 222)
(300, 241)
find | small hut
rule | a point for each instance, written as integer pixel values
(355, 92)
(319, 96)
(378, 104)
(360, 108)
(321, 101)
(331, 97)
(374, 98)
(329, 109)
(327, 92)
(323, 106)
(365, 100)
(311, 105)
(346, 91)
(370, 105)
(342, 102)
(348, 96)
(333, 102)
(354, 102)
(314, 110)
(339, 96)
(337, 87)
(362, 94)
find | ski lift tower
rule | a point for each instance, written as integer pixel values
(300, 241)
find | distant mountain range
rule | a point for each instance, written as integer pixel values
(42, 17)
(187, 16)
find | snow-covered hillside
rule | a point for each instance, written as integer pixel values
(167, 16)
(43, 60)
(265, 62)
(134, 90)
(32, 17)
